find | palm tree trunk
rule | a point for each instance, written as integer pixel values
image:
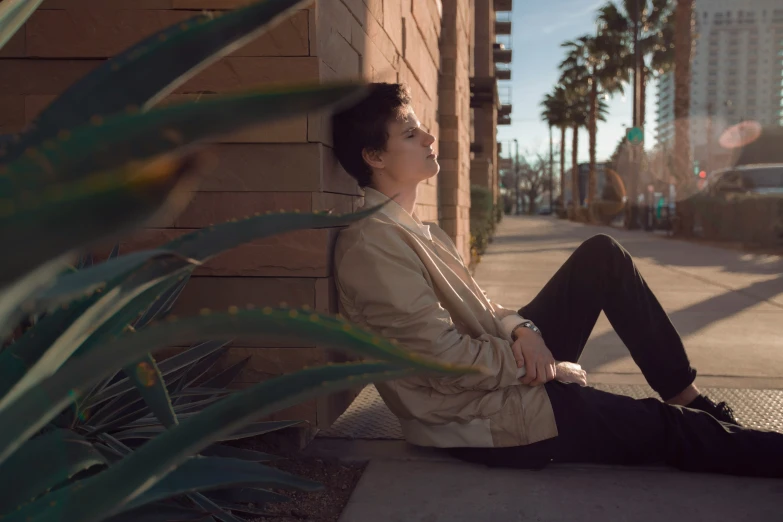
(575, 170)
(593, 131)
(562, 164)
(682, 102)
(551, 166)
(643, 94)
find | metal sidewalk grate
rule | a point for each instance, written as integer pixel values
(369, 418)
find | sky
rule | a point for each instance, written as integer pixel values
(538, 29)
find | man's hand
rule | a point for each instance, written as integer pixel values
(531, 352)
(570, 372)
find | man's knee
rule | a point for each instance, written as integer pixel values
(601, 245)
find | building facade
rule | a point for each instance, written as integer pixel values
(428, 44)
(737, 72)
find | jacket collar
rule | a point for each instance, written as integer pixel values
(398, 214)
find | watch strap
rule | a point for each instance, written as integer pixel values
(524, 324)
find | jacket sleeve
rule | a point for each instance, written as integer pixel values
(387, 290)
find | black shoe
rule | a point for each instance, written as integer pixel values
(720, 411)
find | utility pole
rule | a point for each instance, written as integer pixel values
(517, 200)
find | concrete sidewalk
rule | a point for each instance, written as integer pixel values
(727, 305)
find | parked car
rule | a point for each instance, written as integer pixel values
(755, 179)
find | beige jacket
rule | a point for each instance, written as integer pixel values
(405, 280)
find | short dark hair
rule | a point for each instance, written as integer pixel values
(364, 126)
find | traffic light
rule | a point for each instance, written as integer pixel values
(696, 168)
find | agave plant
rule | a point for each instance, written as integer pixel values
(100, 160)
(112, 419)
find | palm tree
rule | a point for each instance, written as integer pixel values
(594, 64)
(682, 103)
(577, 116)
(555, 113)
(656, 36)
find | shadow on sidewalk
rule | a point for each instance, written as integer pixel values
(694, 318)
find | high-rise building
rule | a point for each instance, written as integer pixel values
(737, 72)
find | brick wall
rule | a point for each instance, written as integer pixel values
(455, 123)
(484, 170)
(384, 41)
(285, 165)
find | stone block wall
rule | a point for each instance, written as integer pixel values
(455, 123)
(285, 165)
(485, 166)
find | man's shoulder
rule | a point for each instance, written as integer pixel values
(376, 230)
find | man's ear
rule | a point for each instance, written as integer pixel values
(373, 158)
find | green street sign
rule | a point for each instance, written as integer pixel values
(635, 135)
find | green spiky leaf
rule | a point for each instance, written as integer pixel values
(227, 376)
(17, 359)
(144, 374)
(13, 14)
(210, 473)
(245, 509)
(103, 495)
(43, 463)
(251, 430)
(124, 139)
(167, 366)
(161, 307)
(148, 380)
(203, 244)
(221, 450)
(206, 243)
(196, 474)
(55, 330)
(148, 71)
(81, 213)
(78, 283)
(39, 404)
(217, 512)
(187, 252)
(105, 316)
(15, 297)
(196, 372)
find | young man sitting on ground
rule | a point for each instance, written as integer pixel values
(405, 280)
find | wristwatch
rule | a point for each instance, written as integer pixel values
(524, 324)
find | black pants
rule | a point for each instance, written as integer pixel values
(600, 427)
